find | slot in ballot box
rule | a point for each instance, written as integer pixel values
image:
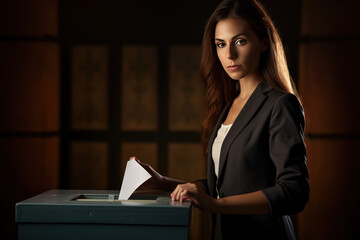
(93, 214)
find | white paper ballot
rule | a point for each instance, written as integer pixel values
(134, 176)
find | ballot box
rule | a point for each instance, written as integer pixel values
(92, 214)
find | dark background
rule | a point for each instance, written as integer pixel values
(321, 40)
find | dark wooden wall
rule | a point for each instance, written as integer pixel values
(45, 48)
(328, 83)
(29, 104)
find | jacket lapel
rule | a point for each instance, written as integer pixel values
(249, 110)
(211, 177)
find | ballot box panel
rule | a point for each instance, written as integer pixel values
(100, 231)
(95, 214)
(60, 206)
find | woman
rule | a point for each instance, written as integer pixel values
(253, 130)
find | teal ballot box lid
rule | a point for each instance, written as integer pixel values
(102, 207)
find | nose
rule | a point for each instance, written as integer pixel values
(231, 52)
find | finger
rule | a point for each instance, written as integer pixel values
(178, 195)
(146, 166)
(183, 195)
(174, 193)
(186, 195)
(133, 157)
(190, 195)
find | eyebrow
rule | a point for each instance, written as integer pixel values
(218, 39)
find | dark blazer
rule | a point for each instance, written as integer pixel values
(264, 150)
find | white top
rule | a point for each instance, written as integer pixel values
(216, 148)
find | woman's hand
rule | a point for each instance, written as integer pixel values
(156, 180)
(195, 193)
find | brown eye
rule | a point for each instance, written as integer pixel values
(241, 42)
(220, 45)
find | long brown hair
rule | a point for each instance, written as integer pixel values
(220, 89)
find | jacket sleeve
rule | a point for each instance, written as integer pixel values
(290, 192)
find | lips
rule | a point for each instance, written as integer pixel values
(233, 67)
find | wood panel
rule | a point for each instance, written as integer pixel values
(89, 88)
(29, 17)
(185, 161)
(328, 84)
(333, 211)
(29, 104)
(29, 92)
(186, 90)
(29, 166)
(329, 18)
(88, 165)
(139, 88)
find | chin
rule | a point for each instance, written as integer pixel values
(236, 76)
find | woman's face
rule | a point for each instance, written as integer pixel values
(238, 48)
